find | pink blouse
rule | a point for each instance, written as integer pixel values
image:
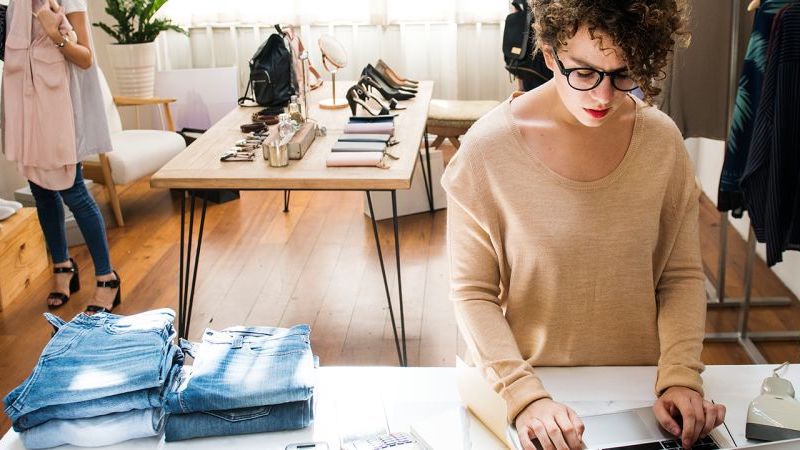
(39, 129)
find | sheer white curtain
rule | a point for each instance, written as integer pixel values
(324, 12)
(455, 43)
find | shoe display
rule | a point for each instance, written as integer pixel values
(387, 92)
(111, 284)
(357, 96)
(383, 67)
(74, 284)
(370, 71)
(393, 105)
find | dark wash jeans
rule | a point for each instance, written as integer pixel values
(259, 419)
(50, 209)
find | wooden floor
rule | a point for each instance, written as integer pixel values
(317, 264)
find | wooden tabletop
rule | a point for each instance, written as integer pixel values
(199, 167)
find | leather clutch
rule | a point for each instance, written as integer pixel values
(359, 147)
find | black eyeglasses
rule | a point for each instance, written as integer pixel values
(587, 78)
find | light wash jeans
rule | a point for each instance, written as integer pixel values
(96, 431)
(90, 358)
(141, 399)
(243, 367)
(259, 419)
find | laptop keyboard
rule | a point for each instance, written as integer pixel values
(707, 443)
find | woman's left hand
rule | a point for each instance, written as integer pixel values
(50, 20)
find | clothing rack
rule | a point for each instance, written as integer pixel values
(715, 294)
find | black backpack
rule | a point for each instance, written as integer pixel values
(271, 77)
(518, 48)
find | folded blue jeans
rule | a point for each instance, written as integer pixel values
(96, 431)
(243, 367)
(259, 419)
(136, 400)
(95, 357)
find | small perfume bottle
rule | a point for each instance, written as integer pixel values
(295, 111)
(285, 127)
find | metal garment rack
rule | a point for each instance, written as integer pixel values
(715, 294)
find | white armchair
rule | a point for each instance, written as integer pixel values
(136, 153)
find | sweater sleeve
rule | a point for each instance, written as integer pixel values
(680, 290)
(475, 282)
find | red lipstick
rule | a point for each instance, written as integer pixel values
(597, 113)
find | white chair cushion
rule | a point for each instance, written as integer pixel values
(138, 153)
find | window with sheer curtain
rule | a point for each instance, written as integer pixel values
(324, 12)
(455, 43)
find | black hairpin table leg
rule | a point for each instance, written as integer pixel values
(427, 175)
(187, 278)
(401, 353)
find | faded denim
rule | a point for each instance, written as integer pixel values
(244, 367)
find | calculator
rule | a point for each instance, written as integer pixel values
(387, 441)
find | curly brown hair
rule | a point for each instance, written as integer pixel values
(644, 30)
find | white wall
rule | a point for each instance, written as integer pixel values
(708, 156)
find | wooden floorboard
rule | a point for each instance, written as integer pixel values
(318, 264)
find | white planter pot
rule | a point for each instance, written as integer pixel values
(134, 67)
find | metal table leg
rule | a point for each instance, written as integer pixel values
(188, 275)
(427, 176)
(401, 353)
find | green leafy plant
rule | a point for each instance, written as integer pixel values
(135, 21)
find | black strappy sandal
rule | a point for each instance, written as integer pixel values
(112, 284)
(74, 285)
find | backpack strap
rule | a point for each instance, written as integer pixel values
(244, 98)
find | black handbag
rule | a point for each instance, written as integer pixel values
(271, 77)
(3, 10)
(518, 46)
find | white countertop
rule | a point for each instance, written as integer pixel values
(349, 399)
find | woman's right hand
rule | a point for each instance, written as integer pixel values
(50, 20)
(556, 426)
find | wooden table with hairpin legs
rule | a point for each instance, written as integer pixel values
(198, 169)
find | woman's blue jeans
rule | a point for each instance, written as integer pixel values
(50, 208)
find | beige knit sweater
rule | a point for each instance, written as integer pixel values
(547, 271)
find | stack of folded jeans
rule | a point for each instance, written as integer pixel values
(102, 379)
(244, 380)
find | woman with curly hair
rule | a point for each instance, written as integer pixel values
(573, 224)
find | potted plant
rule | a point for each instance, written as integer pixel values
(133, 56)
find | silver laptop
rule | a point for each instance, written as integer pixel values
(793, 444)
(635, 429)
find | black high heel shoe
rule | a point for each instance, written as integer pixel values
(111, 284)
(74, 285)
(368, 95)
(378, 76)
(357, 96)
(387, 92)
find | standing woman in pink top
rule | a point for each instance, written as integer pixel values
(53, 118)
(572, 225)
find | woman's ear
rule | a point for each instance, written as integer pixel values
(547, 53)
